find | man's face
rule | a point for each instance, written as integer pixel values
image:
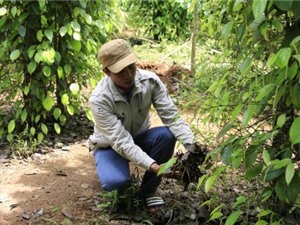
(125, 78)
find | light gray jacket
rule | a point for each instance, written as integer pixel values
(117, 121)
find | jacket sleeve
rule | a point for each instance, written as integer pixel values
(169, 114)
(107, 123)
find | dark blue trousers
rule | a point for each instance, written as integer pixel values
(113, 170)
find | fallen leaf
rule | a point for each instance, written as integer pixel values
(67, 214)
(38, 212)
(13, 206)
(95, 209)
(84, 186)
(25, 216)
(61, 173)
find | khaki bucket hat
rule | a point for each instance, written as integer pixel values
(115, 55)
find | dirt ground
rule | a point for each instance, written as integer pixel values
(46, 183)
(58, 183)
(53, 188)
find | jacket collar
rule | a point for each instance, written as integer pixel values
(117, 96)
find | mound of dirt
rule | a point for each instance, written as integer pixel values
(170, 76)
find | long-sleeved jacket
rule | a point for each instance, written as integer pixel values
(117, 121)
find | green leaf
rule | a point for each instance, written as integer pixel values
(42, 4)
(266, 157)
(239, 200)
(233, 217)
(289, 173)
(47, 71)
(47, 56)
(227, 155)
(236, 112)
(258, 9)
(31, 52)
(281, 120)
(22, 31)
(3, 11)
(62, 31)
(293, 70)
(281, 163)
(37, 118)
(294, 95)
(70, 110)
(44, 128)
(49, 34)
(10, 137)
(32, 131)
(75, 26)
(248, 114)
(76, 45)
(295, 41)
(14, 55)
(253, 172)
(246, 65)
(209, 183)
(283, 56)
(57, 113)
(48, 103)
(24, 115)
(271, 173)
(60, 72)
(62, 119)
(263, 92)
(285, 5)
(82, 3)
(295, 131)
(11, 126)
(77, 36)
(272, 59)
(296, 9)
(264, 213)
(216, 215)
(226, 30)
(26, 90)
(39, 35)
(166, 166)
(40, 137)
(31, 67)
(287, 193)
(65, 99)
(261, 222)
(297, 57)
(224, 130)
(74, 87)
(57, 128)
(68, 69)
(88, 19)
(250, 156)
(89, 115)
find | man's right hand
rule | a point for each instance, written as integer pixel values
(154, 168)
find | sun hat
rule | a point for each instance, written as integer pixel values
(115, 55)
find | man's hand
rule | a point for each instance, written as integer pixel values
(154, 168)
(190, 147)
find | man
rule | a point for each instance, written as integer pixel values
(120, 105)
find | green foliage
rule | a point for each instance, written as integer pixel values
(254, 98)
(48, 57)
(160, 19)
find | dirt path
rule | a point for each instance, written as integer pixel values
(49, 184)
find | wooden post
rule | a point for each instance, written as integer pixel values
(194, 38)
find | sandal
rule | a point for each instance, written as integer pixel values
(153, 203)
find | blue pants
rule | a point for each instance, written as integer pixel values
(113, 169)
